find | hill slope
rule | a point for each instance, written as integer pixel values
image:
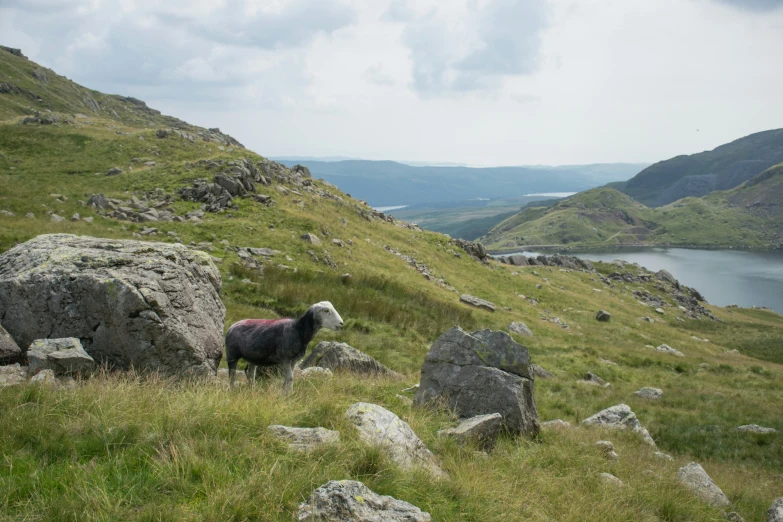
(129, 447)
(749, 216)
(697, 175)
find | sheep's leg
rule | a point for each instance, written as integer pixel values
(252, 373)
(232, 371)
(288, 383)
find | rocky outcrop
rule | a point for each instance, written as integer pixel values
(619, 417)
(62, 356)
(481, 373)
(304, 439)
(693, 477)
(482, 430)
(475, 250)
(153, 306)
(352, 501)
(379, 427)
(9, 351)
(343, 357)
(477, 302)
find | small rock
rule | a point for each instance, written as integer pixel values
(43, 377)
(477, 302)
(114, 171)
(311, 238)
(314, 371)
(482, 430)
(607, 361)
(593, 379)
(150, 163)
(649, 393)
(755, 428)
(30, 215)
(733, 516)
(9, 350)
(603, 316)
(56, 218)
(619, 417)
(343, 357)
(520, 328)
(608, 478)
(12, 374)
(352, 501)
(407, 401)
(693, 477)
(345, 278)
(304, 439)
(648, 319)
(556, 424)
(607, 448)
(88, 219)
(63, 356)
(665, 348)
(663, 456)
(76, 217)
(338, 242)
(541, 373)
(659, 311)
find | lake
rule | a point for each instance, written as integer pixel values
(724, 277)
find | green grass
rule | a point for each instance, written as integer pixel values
(128, 447)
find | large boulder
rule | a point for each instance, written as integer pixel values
(153, 306)
(693, 477)
(377, 426)
(481, 373)
(619, 417)
(9, 351)
(62, 356)
(349, 500)
(341, 356)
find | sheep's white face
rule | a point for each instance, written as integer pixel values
(328, 316)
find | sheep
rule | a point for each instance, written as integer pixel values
(269, 342)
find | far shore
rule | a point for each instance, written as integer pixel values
(582, 248)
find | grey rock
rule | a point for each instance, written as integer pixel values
(520, 328)
(343, 357)
(659, 310)
(379, 427)
(352, 501)
(603, 316)
(775, 511)
(733, 516)
(9, 350)
(607, 448)
(649, 393)
(12, 374)
(663, 456)
(76, 217)
(43, 377)
(693, 477)
(665, 275)
(482, 430)
(619, 417)
(477, 302)
(517, 260)
(311, 238)
(755, 428)
(608, 478)
(114, 171)
(591, 378)
(57, 218)
(304, 439)
(98, 201)
(481, 373)
(665, 348)
(556, 424)
(63, 356)
(538, 371)
(153, 306)
(313, 371)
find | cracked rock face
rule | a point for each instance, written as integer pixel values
(153, 306)
(481, 373)
(349, 500)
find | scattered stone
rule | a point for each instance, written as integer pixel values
(607, 361)
(733, 516)
(338, 242)
(313, 371)
(520, 328)
(12, 374)
(114, 171)
(63, 356)
(608, 478)
(603, 316)
(7, 213)
(619, 417)
(30, 215)
(304, 439)
(343, 357)
(648, 319)
(593, 379)
(43, 377)
(407, 401)
(478, 303)
(311, 238)
(352, 501)
(665, 348)
(56, 218)
(541, 373)
(345, 278)
(663, 456)
(693, 477)
(380, 427)
(659, 310)
(88, 219)
(9, 351)
(649, 393)
(557, 424)
(775, 511)
(481, 373)
(150, 163)
(153, 306)
(755, 428)
(481, 430)
(607, 448)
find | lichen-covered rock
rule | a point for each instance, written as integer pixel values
(43, 377)
(352, 501)
(341, 356)
(153, 306)
(9, 351)
(12, 374)
(304, 439)
(693, 477)
(62, 356)
(520, 328)
(649, 393)
(619, 417)
(481, 373)
(482, 430)
(378, 426)
(775, 511)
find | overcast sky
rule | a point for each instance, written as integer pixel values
(485, 82)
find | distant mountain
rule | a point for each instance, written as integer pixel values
(699, 174)
(388, 183)
(750, 215)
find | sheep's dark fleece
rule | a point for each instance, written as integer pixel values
(270, 342)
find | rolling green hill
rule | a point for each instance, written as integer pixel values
(125, 446)
(749, 216)
(697, 175)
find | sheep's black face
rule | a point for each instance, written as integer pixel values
(328, 316)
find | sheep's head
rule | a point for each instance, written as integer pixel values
(327, 316)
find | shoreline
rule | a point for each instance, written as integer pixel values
(565, 248)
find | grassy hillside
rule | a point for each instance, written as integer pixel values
(749, 216)
(129, 447)
(699, 174)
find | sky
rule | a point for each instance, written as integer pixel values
(479, 82)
